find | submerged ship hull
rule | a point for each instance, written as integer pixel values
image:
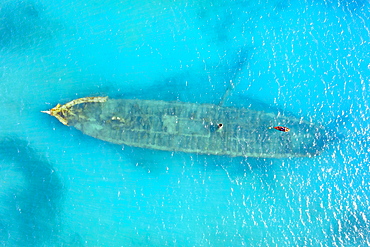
(192, 128)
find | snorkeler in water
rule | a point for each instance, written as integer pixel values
(280, 128)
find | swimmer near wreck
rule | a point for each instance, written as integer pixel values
(280, 128)
(190, 127)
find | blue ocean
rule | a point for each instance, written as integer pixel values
(60, 187)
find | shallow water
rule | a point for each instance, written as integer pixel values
(310, 58)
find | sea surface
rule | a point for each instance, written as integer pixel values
(59, 187)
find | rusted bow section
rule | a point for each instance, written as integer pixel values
(62, 111)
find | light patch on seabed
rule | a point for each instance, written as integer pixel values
(129, 44)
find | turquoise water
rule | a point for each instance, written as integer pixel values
(61, 188)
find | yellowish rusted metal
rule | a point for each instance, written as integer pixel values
(62, 111)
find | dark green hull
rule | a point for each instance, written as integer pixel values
(193, 128)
